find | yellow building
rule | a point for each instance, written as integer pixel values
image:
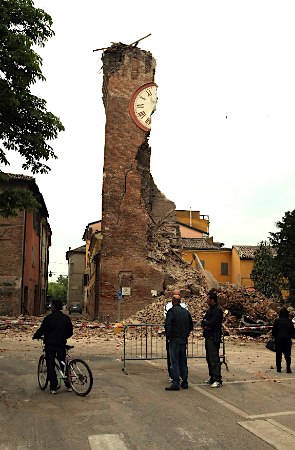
(242, 264)
(192, 223)
(226, 265)
(92, 237)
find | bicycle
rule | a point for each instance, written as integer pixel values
(76, 372)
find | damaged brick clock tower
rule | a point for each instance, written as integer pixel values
(135, 214)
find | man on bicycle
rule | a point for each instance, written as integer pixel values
(56, 328)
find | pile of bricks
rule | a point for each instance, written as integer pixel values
(236, 302)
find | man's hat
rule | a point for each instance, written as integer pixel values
(57, 304)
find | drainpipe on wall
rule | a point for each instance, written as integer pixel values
(96, 287)
(40, 277)
(23, 264)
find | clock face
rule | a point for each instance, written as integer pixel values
(143, 104)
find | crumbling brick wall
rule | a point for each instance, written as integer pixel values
(137, 219)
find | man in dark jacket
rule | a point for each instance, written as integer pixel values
(212, 324)
(56, 328)
(178, 326)
(283, 331)
(166, 308)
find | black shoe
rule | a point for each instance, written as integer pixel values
(171, 388)
(289, 370)
(184, 385)
(279, 369)
(55, 388)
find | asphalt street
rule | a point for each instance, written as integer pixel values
(253, 409)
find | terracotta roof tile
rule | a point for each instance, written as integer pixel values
(246, 251)
(199, 244)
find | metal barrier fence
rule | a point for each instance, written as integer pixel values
(142, 342)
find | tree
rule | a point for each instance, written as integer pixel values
(13, 200)
(25, 124)
(58, 290)
(283, 242)
(265, 273)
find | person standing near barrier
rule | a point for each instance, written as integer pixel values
(166, 309)
(212, 324)
(178, 326)
(283, 331)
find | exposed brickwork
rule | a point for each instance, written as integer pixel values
(11, 242)
(24, 242)
(132, 206)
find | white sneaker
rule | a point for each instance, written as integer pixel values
(69, 389)
(208, 381)
(52, 392)
(216, 384)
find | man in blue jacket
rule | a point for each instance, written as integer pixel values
(178, 326)
(56, 328)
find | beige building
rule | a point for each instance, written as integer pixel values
(76, 269)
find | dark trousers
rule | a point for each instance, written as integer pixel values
(178, 359)
(51, 353)
(283, 347)
(168, 358)
(213, 360)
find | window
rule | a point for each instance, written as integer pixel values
(224, 268)
(85, 279)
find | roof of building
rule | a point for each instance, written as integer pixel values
(191, 227)
(71, 251)
(30, 181)
(200, 244)
(91, 228)
(246, 251)
(19, 176)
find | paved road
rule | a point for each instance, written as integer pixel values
(254, 409)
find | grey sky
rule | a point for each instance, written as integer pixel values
(223, 133)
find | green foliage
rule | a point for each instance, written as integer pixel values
(63, 281)
(58, 290)
(14, 200)
(25, 124)
(265, 274)
(284, 243)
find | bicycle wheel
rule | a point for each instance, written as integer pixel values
(80, 377)
(42, 373)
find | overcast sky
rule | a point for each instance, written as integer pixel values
(223, 134)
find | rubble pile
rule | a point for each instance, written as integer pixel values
(84, 329)
(240, 302)
(236, 302)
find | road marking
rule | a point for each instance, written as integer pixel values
(107, 442)
(282, 413)
(239, 411)
(270, 431)
(278, 380)
(222, 402)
